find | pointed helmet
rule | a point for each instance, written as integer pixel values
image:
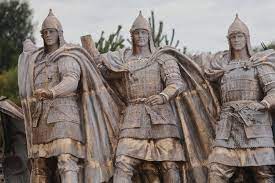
(239, 26)
(51, 22)
(141, 23)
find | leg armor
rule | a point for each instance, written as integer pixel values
(124, 169)
(219, 173)
(170, 172)
(68, 168)
(39, 172)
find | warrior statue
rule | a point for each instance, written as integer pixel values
(244, 137)
(62, 97)
(148, 80)
(148, 131)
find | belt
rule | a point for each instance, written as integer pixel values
(137, 101)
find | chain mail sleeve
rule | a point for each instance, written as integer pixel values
(70, 75)
(171, 76)
(266, 74)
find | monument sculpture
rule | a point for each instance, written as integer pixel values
(65, 104)
(163, 92)
(244, 136)
(148, 131)
(145, 114)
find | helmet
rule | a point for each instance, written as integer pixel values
(51, 22)
(236, 27)
(141, 23)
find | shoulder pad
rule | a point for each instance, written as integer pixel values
(164, 57)
(263, 55)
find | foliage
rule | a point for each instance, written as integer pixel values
(158, 37)
(15, 26)
(114, 41)
(9, 86)
(268, 46)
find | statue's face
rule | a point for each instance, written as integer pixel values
(140, 37)
(50, 36)
(237, 41)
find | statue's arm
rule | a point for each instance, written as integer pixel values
(171, 76)
(211, 64)
(106, 72)
(70, 76)
(101, 60)
(266, 75)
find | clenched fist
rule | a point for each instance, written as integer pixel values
(42, 94)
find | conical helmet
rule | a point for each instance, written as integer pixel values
(141, 23)
(51, 22)
(239, 26)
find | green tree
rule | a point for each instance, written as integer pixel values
(15, 26)
(8, 83)
(268, 46)
(113, 42)
(159, 37)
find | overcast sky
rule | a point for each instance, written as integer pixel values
(201, 25)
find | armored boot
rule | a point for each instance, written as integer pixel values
(170, 172)
(39, 172)
(68, 168)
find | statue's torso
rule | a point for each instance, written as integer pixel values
(140, 120)
(239, 126)
(46, 73)
(60, 117)
(240, 83)
(145, 82)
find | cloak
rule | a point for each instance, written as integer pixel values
(196, 108)
(100, 109)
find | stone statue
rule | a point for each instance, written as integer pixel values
(148, 80)
(148, 132)
(244, 137)
(67, 111)
(124, 114)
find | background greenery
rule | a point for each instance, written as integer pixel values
(15, 26)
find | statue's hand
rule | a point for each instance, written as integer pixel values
(155, 100)
(257, 107)
(213, 73)
(42, 94)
